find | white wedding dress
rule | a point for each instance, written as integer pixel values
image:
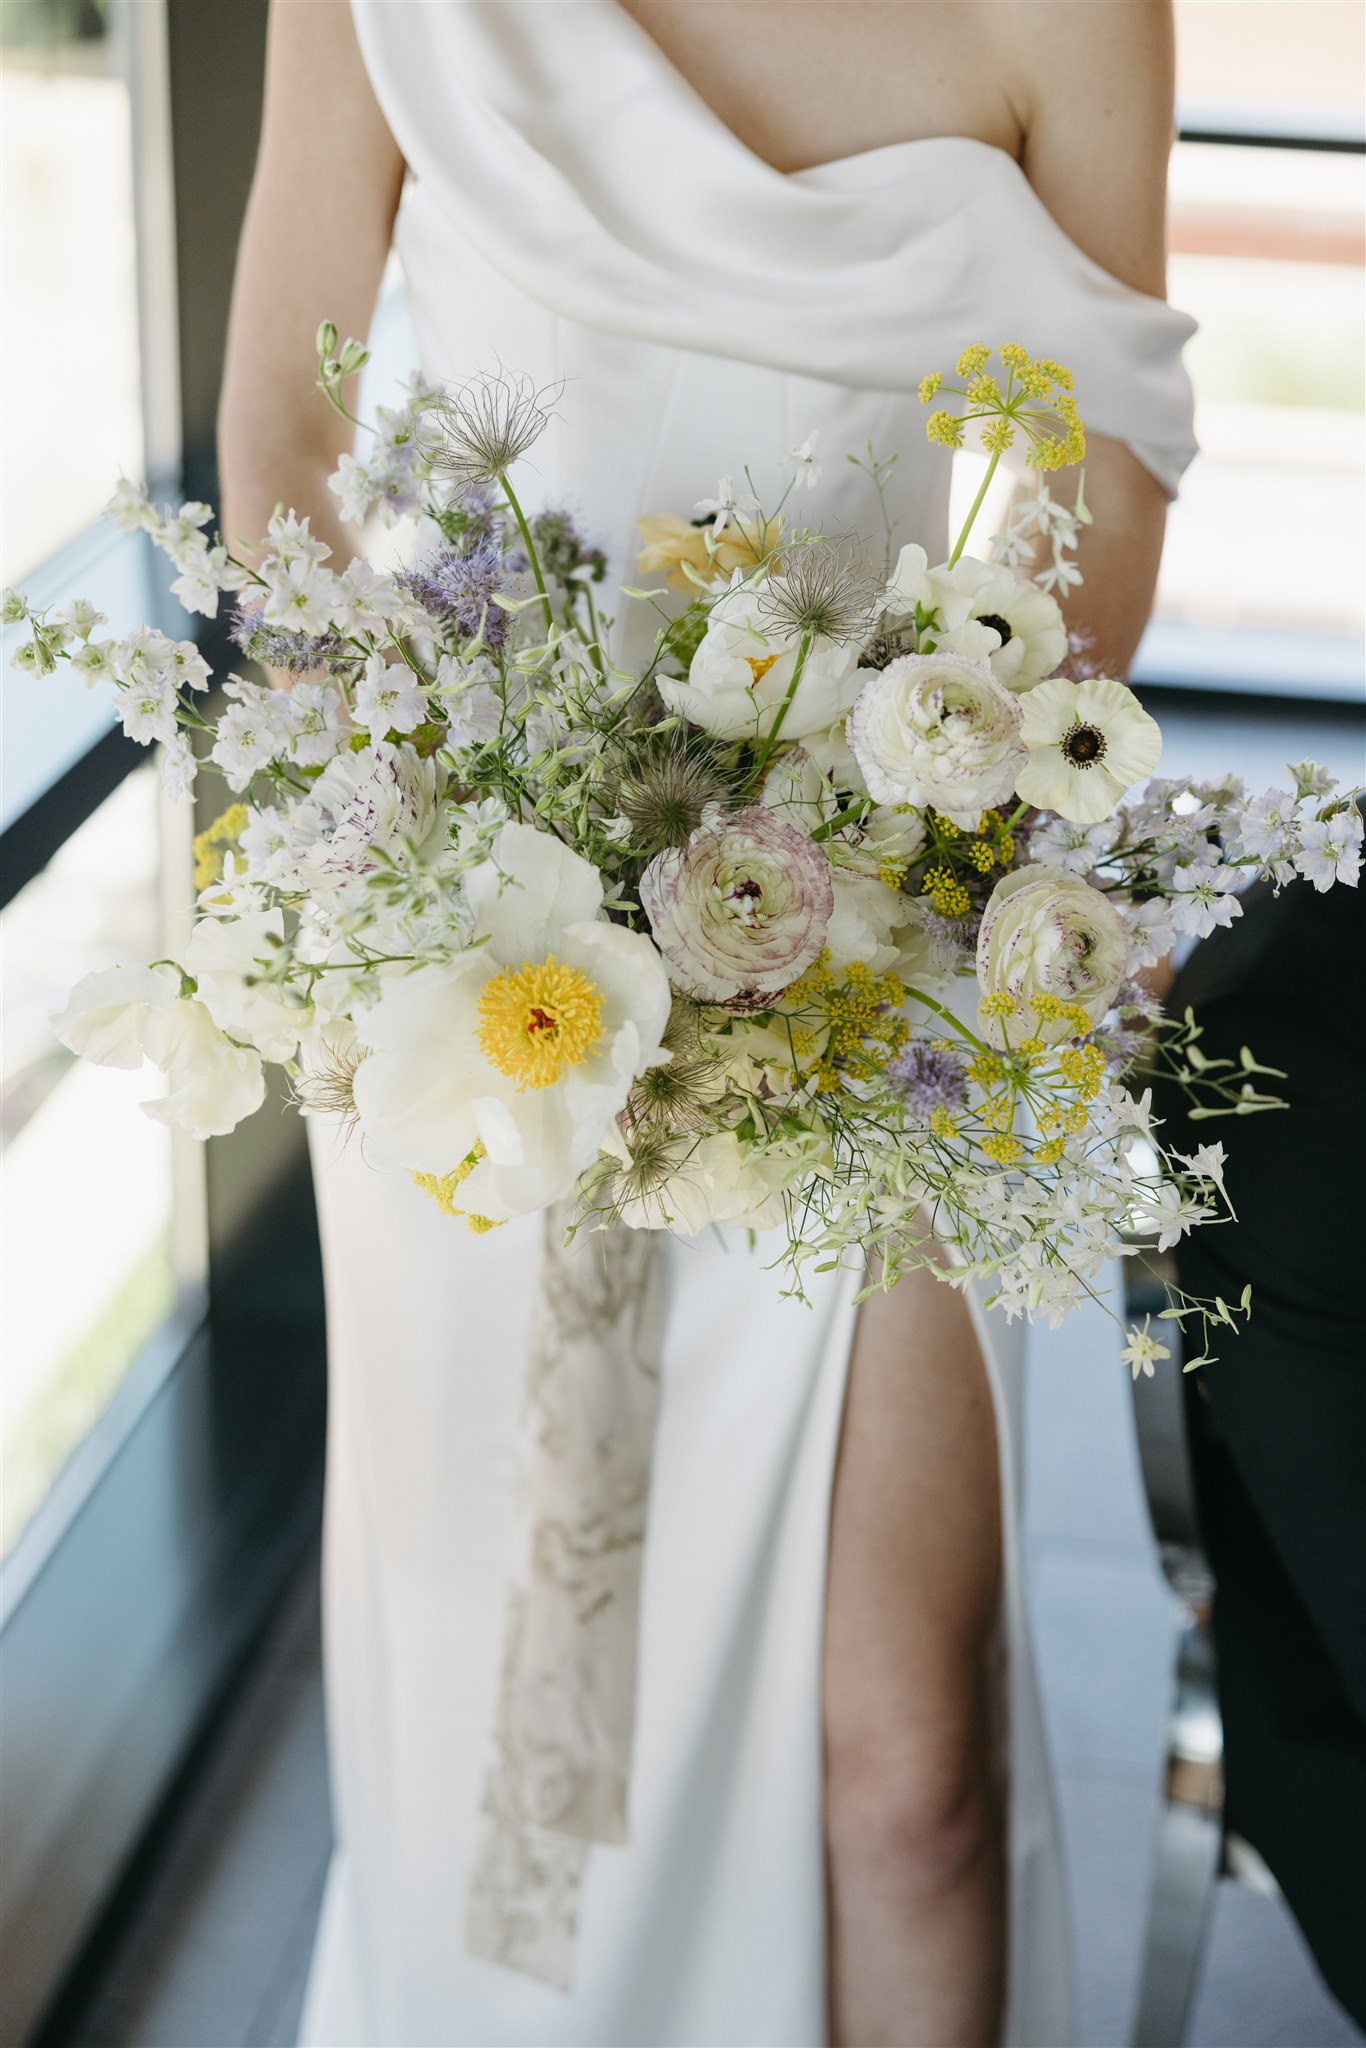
(576, 212)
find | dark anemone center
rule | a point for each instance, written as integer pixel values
(998, 625)
(1083, 745)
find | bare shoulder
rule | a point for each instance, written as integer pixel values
(1094, 85)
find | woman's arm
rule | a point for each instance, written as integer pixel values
(314, 244)
(1095, 83)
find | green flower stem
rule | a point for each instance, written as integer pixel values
(770, 740)
(953, 1022)
(974, 509)
(530, 545)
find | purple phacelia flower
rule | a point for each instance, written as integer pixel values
(459, 589)
(927, 1078)
(299, 653)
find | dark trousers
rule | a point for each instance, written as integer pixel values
(1277, 1426)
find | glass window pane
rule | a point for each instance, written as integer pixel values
(69, 339)
(86, 1181)
(1267, 253)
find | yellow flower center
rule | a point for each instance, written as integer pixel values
(759, 666)
(538, 1019)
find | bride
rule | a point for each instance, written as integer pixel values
(719, 225)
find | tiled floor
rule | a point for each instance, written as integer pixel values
(217, 1953)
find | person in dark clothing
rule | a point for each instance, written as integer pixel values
(1277, 1425)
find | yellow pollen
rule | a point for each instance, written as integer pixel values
(759, 666)
(537, 1019)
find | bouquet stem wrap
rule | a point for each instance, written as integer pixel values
(559, 1770)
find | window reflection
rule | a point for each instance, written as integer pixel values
(86, 1181)
(69, 341)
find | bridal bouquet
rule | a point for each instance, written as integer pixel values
(825, 917)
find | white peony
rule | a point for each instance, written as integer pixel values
(741, 672)
(743, 908)
(938, 729)
(525, 1047)
(1088, 742)
(1046, 933)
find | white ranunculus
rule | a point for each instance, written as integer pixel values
(1045, 932)
(227, 956)
(362, 804)
(107, 1014)
(938, 729)
(526, 1046)
(743, 908)
(741, 672)
(1088, 742)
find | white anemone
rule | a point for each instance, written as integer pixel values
(522, 1050)
(1088, 742)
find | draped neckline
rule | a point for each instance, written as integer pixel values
(702, 107)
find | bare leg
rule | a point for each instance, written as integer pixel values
(914, 1822)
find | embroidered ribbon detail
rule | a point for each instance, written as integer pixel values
(559, 1769)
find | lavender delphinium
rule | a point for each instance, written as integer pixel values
(460, 588)
(929, 1077)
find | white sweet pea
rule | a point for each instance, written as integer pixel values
(122, 1016)
(388, 698)
(211, 1084)
(106, 1017)
(1088, 742)
(227, 958)
(743, 669)
(525, 1048)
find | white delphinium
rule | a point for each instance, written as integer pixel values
(470, 700)
(363, 600)
(178, 768)
(251, 732)
(314, 723)
(1268, 832)
(804, 461)
(1080, 849)
(389, 698)
(1152, 933)
(1204, 897)
(524, 1049)
(1330, 850)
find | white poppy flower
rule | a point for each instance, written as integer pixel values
(1088, 742)
(525, 1047)
(742, 670)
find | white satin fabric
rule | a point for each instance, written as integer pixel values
(578, 214)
